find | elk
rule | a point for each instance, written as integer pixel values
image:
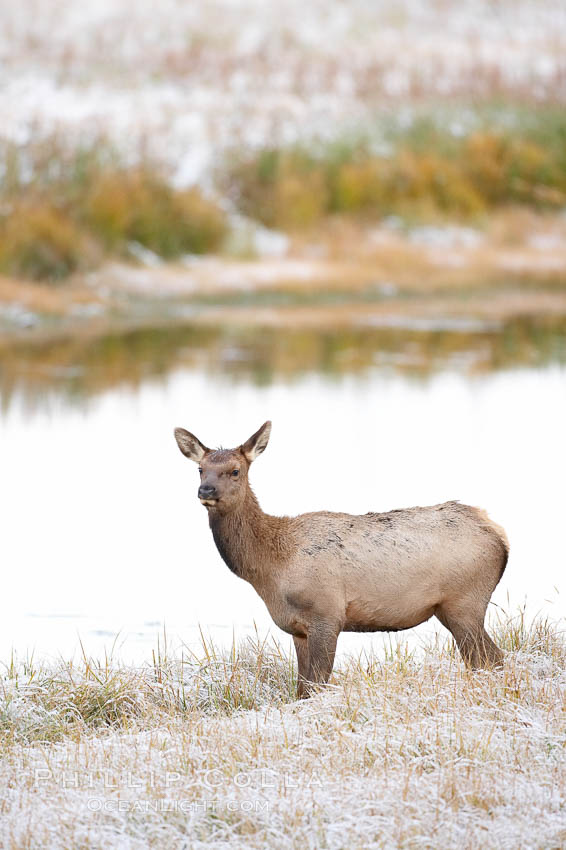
(323, 573)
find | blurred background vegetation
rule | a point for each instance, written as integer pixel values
(67, 210)
(423, 172)
(124, 134)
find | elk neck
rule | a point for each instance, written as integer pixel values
(252, 543)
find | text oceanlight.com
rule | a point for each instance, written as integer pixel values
(95, 804)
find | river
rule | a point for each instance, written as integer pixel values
(105, 545)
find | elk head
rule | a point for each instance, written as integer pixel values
(223, 472)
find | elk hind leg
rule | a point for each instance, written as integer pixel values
(467, 627)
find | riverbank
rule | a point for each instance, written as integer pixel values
(402, 749)
(340, 275)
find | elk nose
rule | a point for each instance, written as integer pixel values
(206, 491)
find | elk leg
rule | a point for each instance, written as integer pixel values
(475, 645)
(489, 653)
(302, 650)
(321, 643)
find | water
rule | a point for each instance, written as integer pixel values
(104, 540)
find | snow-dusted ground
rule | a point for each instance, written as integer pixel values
(189, 80)
(398, 752)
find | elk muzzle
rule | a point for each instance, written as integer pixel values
(207, 494)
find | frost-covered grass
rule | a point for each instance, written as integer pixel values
(196, 78)
(402, 749)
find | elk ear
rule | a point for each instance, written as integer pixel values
(257, 442)
(189, 445)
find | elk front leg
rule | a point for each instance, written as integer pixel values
(321, 648)
(302, 650)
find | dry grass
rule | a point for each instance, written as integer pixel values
(63, 210)
(401, 749)
(38, 241)
(424, 171)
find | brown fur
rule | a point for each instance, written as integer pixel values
(322, 573)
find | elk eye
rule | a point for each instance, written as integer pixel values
(199, 471)
(235, 473)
